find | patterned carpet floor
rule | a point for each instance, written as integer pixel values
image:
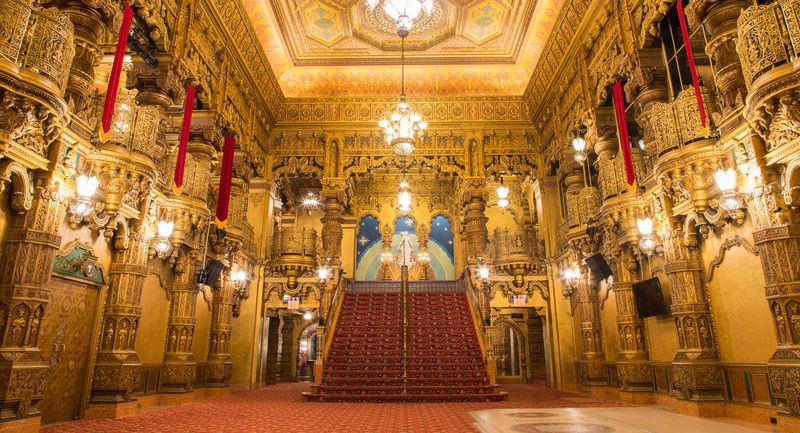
(280, 408)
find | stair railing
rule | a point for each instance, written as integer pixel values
(329, 326)
(478, 303)
(404, 299)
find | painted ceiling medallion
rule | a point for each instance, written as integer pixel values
(403, 12)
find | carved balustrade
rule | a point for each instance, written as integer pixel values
(296, 253)
(672, 125)
(769, 36)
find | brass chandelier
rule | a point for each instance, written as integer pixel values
(402, 128)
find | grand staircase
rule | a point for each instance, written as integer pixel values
(444, 360)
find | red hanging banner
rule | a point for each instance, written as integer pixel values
(622, 132)
(180, 162)
(116, 69)
(224, 193)
(692, 66)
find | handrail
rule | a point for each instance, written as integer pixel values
(475, 311)
(332, 318)
(404, 332)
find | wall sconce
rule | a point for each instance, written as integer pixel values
(323, 273)
(647, 242)
(502, 194)
(484, 273)
(304, 344)
(239, 279)
(308, 316)
(730, 200)
(81, 205)
(571, 276)
(579, 144)
(163, 245)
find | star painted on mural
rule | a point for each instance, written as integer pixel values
(363, 240)
(450, 242)
(409, 222)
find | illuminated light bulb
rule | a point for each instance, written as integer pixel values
(726, 179)
(239, 276)
(645, 226)
(165, 228)
(483, 273)
(307, 315)
(323, 273)
(86, 186)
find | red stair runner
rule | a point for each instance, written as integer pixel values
(444, 357)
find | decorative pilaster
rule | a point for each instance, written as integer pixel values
(88, 23)
(30, 245)
(695, 369)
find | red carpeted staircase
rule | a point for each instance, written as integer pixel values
(444, 358)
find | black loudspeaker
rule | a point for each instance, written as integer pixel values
(212, 271)
(649, 298)
(599, 267)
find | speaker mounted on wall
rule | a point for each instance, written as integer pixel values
(599, 267)
(649, 298)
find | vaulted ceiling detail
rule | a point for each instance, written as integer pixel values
(338, 48)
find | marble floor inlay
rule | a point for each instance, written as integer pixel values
(598, 420)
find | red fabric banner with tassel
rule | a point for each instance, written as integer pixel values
(180, 162)
(692, 66)
(116, 69)
(622, 132)
(224, 193)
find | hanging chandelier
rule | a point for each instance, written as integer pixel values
(402, 128)
(403, 12)
(404, 197)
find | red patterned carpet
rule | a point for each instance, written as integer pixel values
(280, 408)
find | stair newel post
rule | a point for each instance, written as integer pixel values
(404, 298)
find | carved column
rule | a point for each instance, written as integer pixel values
(30, 245)
(88, 23)
(287, 348)
(272, 368)
(476, 235)
(593, 360)
(719, 19)
(633, 364)
(695, 369)
(190, 214)
(220, 363)
(116, 373)
(333, 196)
(180, 365)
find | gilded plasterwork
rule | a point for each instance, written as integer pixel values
(308, 42)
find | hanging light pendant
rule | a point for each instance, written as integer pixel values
(502, 194)
(402, 128)
(404, 197)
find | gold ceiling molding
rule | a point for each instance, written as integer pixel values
(240, 34)
(462, 71)
(434, 110)
(555, 53)
(325, 33)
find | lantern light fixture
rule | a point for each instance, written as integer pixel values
(163, 245)
(730, 200)
(308, 315)
(502, 194)
(81, 206)
(403, 12)
(647, 241)
(404, 197)
(579, 145)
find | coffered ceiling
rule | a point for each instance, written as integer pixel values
(338, 48)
